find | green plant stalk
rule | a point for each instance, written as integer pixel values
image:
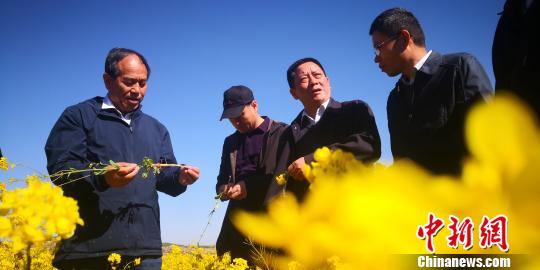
(212, 212)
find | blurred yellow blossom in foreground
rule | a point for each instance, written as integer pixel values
(367, 216)
(35, 214)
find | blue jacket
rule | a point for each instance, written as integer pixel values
(123, 220)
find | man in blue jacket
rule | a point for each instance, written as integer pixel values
(120, 208)
(427, 108)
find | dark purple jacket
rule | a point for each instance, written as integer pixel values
(230, 239)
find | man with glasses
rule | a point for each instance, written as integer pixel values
(427, 108)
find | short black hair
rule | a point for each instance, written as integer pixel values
(393, 20)
(291, 71)
(116, 55)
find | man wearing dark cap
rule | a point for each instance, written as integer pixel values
(247, 165)
(349, 126)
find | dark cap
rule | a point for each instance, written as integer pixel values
(292, 68)
(234, 100)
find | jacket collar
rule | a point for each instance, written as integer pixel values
(432, 64)
(430, 67)
(334, 104)
(331, 106)
(274, 126)
(262, 128)
(318, 114)
(329, 113)
(98, 101)
(108, 105)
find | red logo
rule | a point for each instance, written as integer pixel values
(492, 232)
(430, 230)
(461, 232)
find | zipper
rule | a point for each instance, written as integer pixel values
(131, 139)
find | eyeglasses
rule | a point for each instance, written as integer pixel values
(380, 45)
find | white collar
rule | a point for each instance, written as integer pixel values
(319, 113)
(417, 67)
(107, 104)
(421, 62)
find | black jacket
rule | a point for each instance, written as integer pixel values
(349, 126)
(515, 54)
(426, 119)
(122, 220)
(230, 239)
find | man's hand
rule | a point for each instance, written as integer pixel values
(296, 168)
(223, 190)
(188, 175)
(237, 191)
(120, 177)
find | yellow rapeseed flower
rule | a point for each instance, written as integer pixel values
(41, 256)
(504, 166)
(281, 179)
(37, 213)
(239, 264)
(362, 215)
(5, 227)
(329, 163)
(198, 258)
(2, 189)
(4, 165)
(176, 249)
(114, 259)
(322, 155)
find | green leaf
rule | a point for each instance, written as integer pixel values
(112, 163)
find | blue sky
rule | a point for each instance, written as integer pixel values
(52, 55)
